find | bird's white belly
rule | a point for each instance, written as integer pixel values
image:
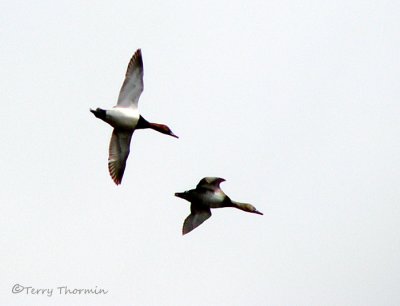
(124, 118)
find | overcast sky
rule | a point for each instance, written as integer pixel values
(294, 103)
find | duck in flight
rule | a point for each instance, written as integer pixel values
(205, 196)
(125, 118)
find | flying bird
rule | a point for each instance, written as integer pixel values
(125, 118)
(208, 195)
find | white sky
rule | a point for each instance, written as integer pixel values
(294, 103)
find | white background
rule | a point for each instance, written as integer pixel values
(294, 103)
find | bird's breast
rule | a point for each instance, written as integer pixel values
(214, 199)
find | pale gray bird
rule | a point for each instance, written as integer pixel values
(208, 195)
(125, 118)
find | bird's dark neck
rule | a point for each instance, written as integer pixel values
(143, 123)
(228, 202)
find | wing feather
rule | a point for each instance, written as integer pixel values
(133, 84)
(197, 216)
(118, 154)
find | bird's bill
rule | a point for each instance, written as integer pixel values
(173, 135)
(258, 212)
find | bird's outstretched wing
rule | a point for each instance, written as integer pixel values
(133, 84)
(210, 183)
(118, 154)
(197, 216)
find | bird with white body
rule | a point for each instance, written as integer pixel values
(125, 118)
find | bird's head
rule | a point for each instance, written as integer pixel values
(250, 208)
(162, 128)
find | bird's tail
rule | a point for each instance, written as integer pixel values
(99, 113)
(182, 195)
